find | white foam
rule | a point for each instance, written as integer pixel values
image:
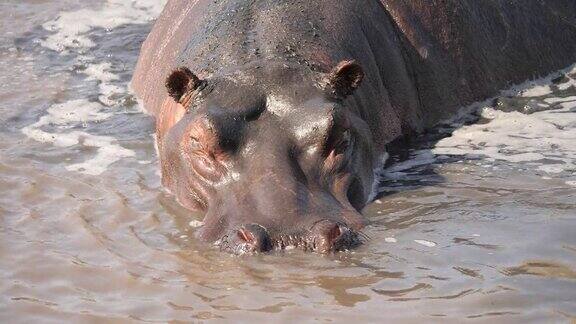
(73, 111)
(556, 99)
(426, 243)
(70, 114)
(517, 137)
(566, 85)
(195, 223)
(71, 35)
(108, 153)
(541, 87)
(537, 91)
(101, 73)
(71, 28)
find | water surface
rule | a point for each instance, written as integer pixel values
(478, 227)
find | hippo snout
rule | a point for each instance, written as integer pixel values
(324, 236)
(248, 238)
(328, 236)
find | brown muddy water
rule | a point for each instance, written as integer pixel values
(479, 227)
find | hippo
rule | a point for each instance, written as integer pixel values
(272, 115)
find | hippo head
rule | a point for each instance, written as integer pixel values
(275, 156)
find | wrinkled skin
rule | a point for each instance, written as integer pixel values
(271, 115)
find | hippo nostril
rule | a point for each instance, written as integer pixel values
(329, 236)
(334, 233)
(253, 238)
(245, 235)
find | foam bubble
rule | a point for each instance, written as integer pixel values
(537, 91)
(101, 73)
(426, 243)
(62, 117)
(195, 223)
(71, 28)
(108, 152)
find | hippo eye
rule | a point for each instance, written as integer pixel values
(339, 141)
(202, 139)
(194, 142)
(343, 142)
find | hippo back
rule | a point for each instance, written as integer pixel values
(422, 60)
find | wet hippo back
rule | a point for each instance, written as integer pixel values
(466, 51)
(421, 61)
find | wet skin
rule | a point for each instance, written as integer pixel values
(271, 115)
(268, 175)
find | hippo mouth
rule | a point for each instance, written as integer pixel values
(323, 237)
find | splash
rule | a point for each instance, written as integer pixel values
(545, 139)
(71, 36)
(62, 117)
(71, 29)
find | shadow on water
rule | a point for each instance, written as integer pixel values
(411, 163)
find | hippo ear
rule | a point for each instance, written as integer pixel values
(181, 81)
(345, 78)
